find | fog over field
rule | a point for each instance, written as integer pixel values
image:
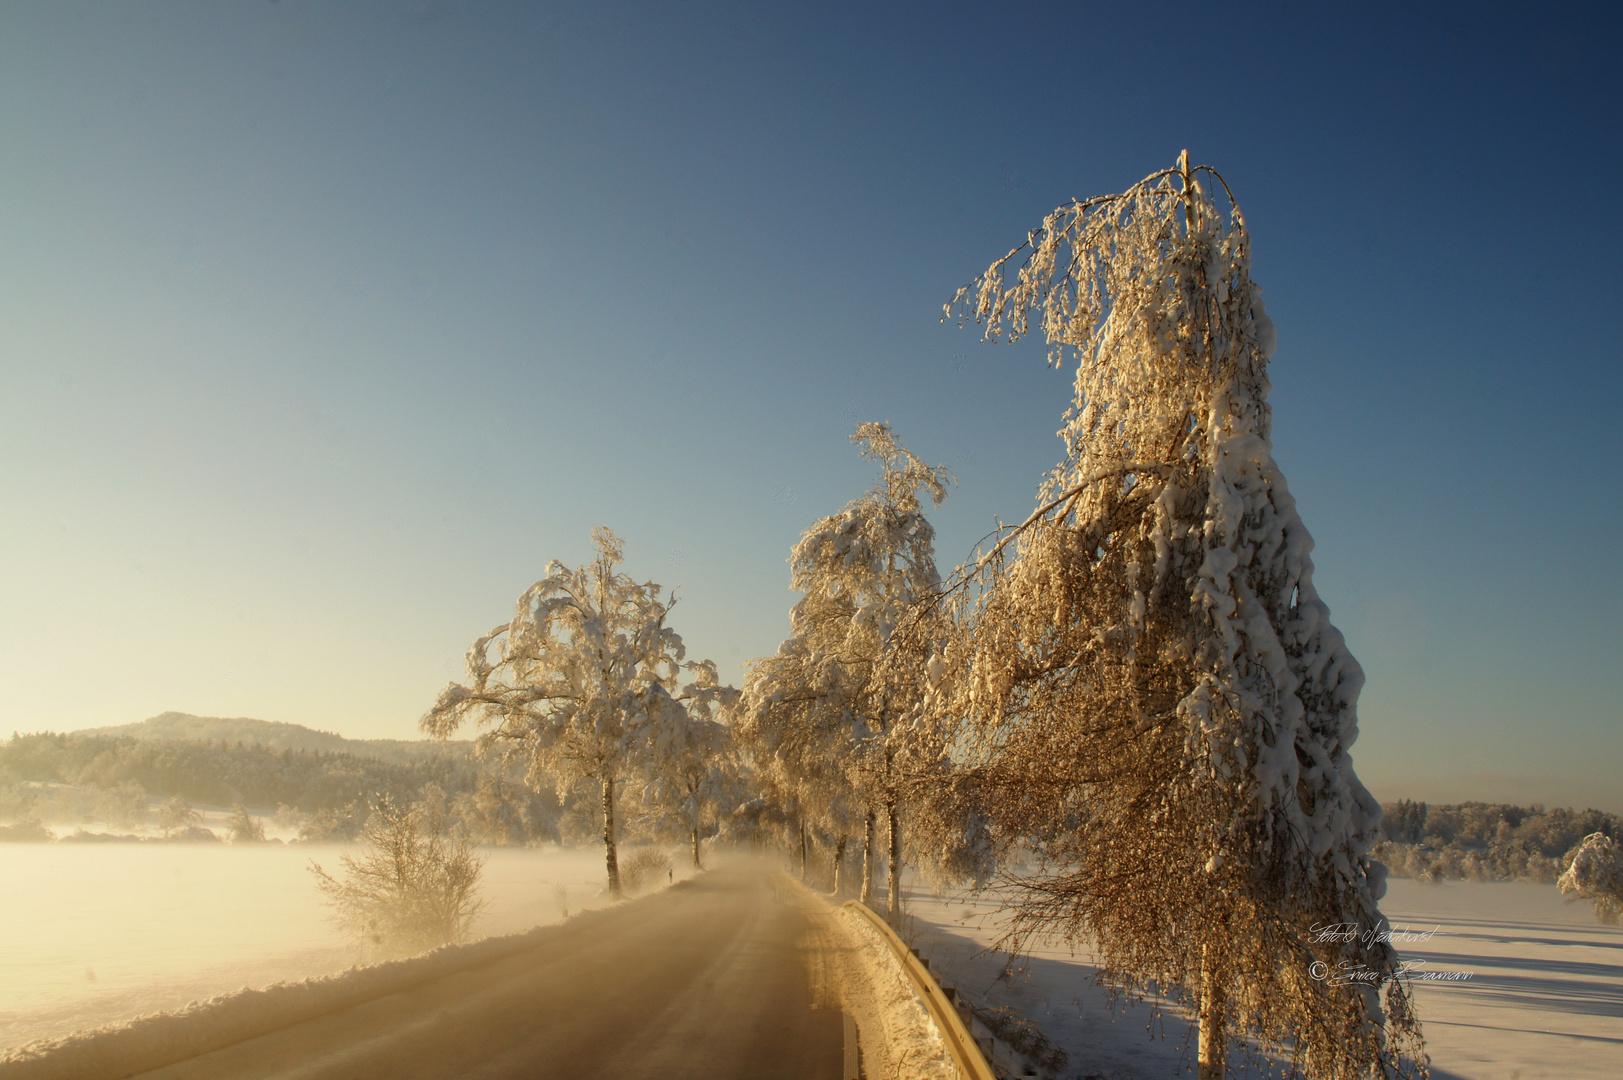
(102, 933)
(99, 933)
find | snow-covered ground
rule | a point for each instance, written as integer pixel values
(96, 934)
(1544, 998)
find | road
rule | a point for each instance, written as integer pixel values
(717, 977)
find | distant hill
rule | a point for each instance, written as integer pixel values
(183, 727)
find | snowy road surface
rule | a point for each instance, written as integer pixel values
(715, 977)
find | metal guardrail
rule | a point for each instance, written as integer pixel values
(966, 1054)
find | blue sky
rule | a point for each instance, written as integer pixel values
(324, 327)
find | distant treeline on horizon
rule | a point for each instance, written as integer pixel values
(111, 773)
(1485, 841)
(222, 773)
(92, 777)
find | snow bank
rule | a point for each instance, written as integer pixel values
(899, 1039)
(916, 1047)
(149, 1042)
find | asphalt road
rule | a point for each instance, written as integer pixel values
(717, 977)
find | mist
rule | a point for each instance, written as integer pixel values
(98, 933)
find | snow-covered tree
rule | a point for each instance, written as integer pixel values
(1157, 702)
(816, 708)
(177, 817)
(574, 684)
(243, 827)
(1596, 874)
(693, 773)
(499, 812)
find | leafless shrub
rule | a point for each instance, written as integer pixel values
(1595, 873)
(414, 887)
(644, 867)
(243, 827)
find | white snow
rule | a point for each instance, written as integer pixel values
(1544, 996)
(907, 1036)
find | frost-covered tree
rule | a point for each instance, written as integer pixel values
(573, 685)
(692, 764)
(1157, 703)
(177, 816)
(243, 827)
(816, 707)
(1596, 874)
(499, 812)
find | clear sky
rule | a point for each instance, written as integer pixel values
(323, 327)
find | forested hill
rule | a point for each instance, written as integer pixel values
(275, 735)
(221, 773)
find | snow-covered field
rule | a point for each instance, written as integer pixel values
(95, 934)
(1544, 998)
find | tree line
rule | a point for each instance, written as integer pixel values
(1486, 841)
(221, 773)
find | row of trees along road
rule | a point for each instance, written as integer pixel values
(1138, 685)
(584, 683)
(825, 728)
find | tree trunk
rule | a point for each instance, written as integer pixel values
(839, 860)
(697, 865)
(1213, 1046)
(867, 858)
(609, 855)
(895, 882)
(802, 849)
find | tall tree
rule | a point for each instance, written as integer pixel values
(1158, 701)
(817, 706)
(575, 682)
(693, 773)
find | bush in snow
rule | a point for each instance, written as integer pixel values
(414, 887)
(329, 826)
(644, 867)
(29, 831)
(243, 827)
(178, 817)
(1156, 700)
